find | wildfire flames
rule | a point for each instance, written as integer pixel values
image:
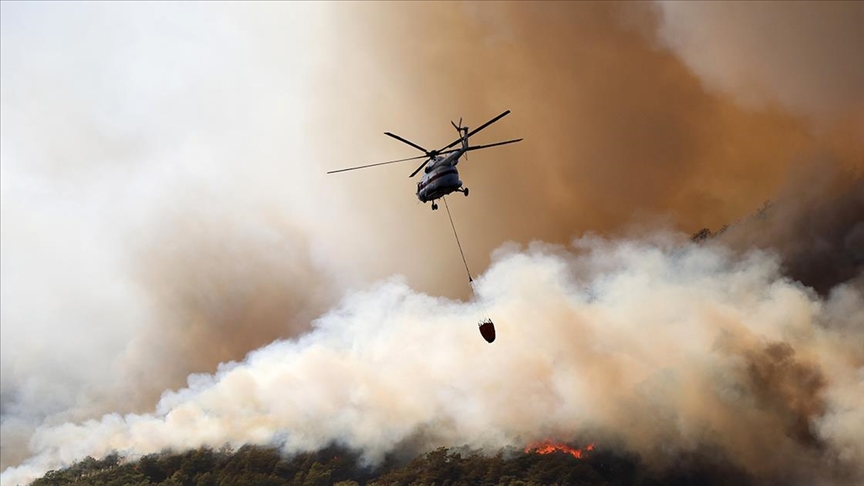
(548, 447)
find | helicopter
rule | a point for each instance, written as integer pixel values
(440, 176)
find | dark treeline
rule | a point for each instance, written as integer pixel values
(263, 466)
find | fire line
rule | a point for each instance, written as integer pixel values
(548, 447)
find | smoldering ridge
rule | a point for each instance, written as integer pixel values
(816, 225)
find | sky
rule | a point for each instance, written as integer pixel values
(174, 256)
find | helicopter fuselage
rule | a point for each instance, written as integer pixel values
(440, 178)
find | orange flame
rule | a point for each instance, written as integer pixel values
(548, 447)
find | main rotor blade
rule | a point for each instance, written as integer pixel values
(478, 147)
(481, 127)
(418, 168)
(397, 137)
(475, 147)
(379, 163)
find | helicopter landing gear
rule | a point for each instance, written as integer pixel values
(434, 206)
(465, 191)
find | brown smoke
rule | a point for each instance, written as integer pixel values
(224, 290)
(617, 128)
(803, 56)
(620, 132)
(816, 225)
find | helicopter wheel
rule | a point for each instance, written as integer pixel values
(434, 206)
(465, 192)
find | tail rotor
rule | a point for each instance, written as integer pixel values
(463, 135)
(459, 128)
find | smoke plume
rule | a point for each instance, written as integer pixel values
(816, 225)
(168, 230)
(618, 128)
(660, 347)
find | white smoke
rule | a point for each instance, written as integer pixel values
(164, 205)
(659, 346)
(147, 159)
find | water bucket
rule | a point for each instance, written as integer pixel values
(487, 330)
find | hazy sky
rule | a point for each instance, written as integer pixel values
(165, 208)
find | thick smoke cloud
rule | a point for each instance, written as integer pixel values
(149, 226)
(816, 225)
(165, 210)
(618, 129)
(659, 347)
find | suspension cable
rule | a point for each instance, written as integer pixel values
(487, 328)
(470, 279)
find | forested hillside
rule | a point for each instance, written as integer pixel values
(264, 466)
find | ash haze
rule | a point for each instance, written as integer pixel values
(177, 270)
